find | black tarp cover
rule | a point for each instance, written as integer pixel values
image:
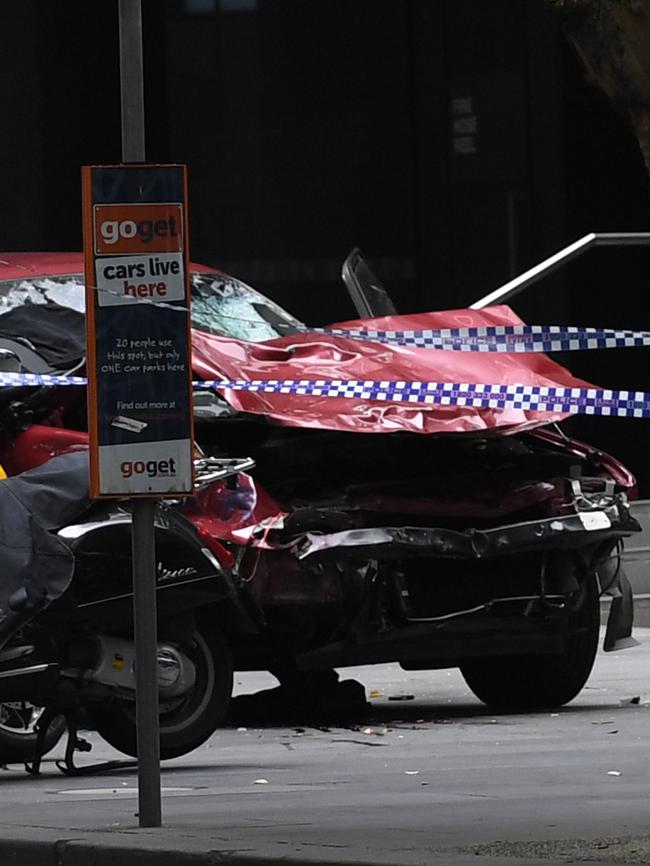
(36, 565)
(57, 333)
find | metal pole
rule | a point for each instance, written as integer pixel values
(146, 655)
(605, 239)
(513, 287)
(131, 80)
(142, 530)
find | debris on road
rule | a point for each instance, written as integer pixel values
(374, 732)
(357, 742)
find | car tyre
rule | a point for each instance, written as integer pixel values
(539, 681)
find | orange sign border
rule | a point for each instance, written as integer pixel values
(90, 258)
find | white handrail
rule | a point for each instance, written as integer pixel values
(532, 275)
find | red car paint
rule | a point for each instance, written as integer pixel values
(310, 356)
(37, 445)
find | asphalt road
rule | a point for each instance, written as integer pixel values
(433, 779)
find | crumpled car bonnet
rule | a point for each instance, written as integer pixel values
(317, 356)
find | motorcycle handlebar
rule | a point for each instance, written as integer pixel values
(210, 469)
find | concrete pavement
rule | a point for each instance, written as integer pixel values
(436, 779)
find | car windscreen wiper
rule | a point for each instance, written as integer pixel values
(272, 318)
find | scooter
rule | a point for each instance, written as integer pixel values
(66, 624)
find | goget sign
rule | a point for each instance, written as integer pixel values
(138, 325)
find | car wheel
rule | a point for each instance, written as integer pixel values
(18, 734)
(185, 722)
(543, 680)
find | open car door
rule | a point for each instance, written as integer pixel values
(370, 298)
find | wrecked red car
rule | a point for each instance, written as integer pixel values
(431, 535)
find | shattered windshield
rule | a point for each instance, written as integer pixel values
(225, 306)
(68, 291)
(220, 304)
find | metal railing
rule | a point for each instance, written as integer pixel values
(577, 248)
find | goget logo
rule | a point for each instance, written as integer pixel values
(150, 468)
(138, 228)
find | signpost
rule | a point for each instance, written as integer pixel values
(139, 388)
(139, 375)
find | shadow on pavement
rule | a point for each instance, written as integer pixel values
(330, 702)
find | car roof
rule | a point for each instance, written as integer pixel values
(13, 266)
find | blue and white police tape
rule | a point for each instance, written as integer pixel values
(38, 380)
(500, 338)
(532, 398)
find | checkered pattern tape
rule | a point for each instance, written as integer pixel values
(586, 401)
(11, 380)
(534, 398)
(501, 338)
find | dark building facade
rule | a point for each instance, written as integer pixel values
(455, 141)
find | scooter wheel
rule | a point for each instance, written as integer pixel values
(18, 733)
(186, 722)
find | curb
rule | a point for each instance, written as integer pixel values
(90, 852)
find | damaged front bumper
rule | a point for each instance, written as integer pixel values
(588, 527)
(390, 542)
